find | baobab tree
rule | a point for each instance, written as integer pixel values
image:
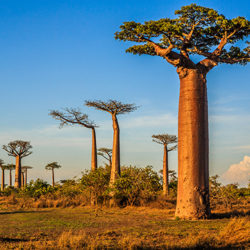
(106, 153)
(18, 149)
(114, 108)
(3, 167)
(166, 140)
(199, 31)
(51, 166)
(25, 171)
(76, 117)
(10, 167)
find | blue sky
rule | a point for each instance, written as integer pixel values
(56, 54)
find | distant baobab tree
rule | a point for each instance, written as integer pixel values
(25, 171)
(198, 31)
(166, 140)
(51, 166)
(3, 167)
(106, 153)
(10, 167)
(114, 108)
(18, 149)
(76, 117)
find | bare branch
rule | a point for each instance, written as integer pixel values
(18, 148)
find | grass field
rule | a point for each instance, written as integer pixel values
(121, 228)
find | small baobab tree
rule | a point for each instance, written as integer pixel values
(3, 167)
(10, 167)
(201, 31)
(25, 171)
(166, 140)
(18, 149)
(106, 153)
(76, 117)
(114, 108)
(51, 166)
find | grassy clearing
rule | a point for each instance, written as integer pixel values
(129, 228)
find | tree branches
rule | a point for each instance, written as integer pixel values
(166, 139)
(18, 148)
(52, 165)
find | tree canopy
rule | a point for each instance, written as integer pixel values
(18, 148)
(196, 30)
(165, 139)
(112, 106)
(72, 116)
(52, 165)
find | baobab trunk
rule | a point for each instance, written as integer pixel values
(18, 172)
(193, 175)
(115, 167)
(3, 182)
(53, 177)
(165, 171)
(25, 177)
(10, 181)
(22, 179)
(94, 151)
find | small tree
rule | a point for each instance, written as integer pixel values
(166, 140)
(114, 108)
(3, 167)
(18, 149)
(10, 167)
(51, 166)
(76, 117)
(106, 153)
(25, 171)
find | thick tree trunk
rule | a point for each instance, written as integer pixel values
(10, 181)
(94, 151)
(53, 177)
(25, 177)
(165, 171)
(193, 176)
(18, 172)
(3, 182)
(115, 168)
(22, 179)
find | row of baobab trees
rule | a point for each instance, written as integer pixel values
(20, 149)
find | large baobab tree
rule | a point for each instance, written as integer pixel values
(51, 166)
(18, 149)
(106, 153)
(3, 167)
(195, 31)
(10, 167)
(114, 108)
(76, 117)
(25, 171)
(166, 140)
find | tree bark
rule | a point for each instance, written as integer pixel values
(18, 172)
(22, 180)
(94, 151)
(10, 181)
(3, 182)
(115, 167)
(165, 172)
(53, 177)
(25, 177)
(193, 176)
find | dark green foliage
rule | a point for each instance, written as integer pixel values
(196, 30)
(137, 186)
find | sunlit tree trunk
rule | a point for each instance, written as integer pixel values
(18, 172)
(53, 177)
(94, 151)
(22, 179)
(10, 181)
(193, 189)
(3, 180)
(165, 171)
(25, 177)
(115, 168)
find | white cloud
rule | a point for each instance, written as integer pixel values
(239, 172)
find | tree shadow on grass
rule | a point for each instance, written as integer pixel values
(21, 212)
(7, 239)
(230, 214)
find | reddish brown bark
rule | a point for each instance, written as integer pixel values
(22, 179)
(115, 168)
(18, 172)
(10, 181)
(3, 180)
(193, 189)
(165, 172)
(94, 151)
(53, 177)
